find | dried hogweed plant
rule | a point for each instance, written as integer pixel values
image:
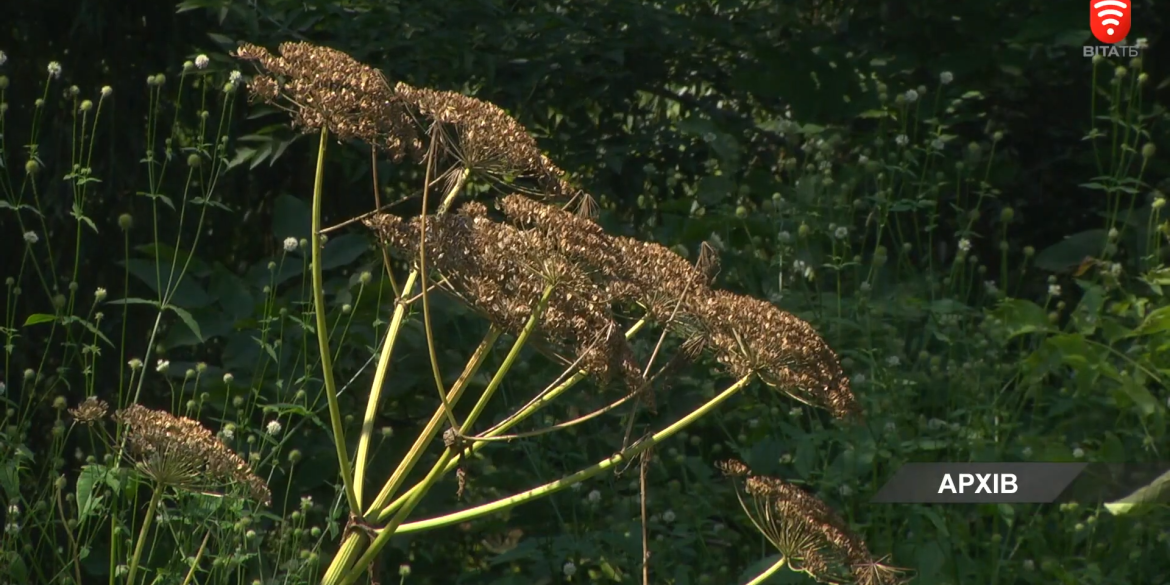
(810, 537)
(547, 275)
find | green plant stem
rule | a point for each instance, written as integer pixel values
(198, 556)
(155, 498)
(397, 527)
(350, 547)
(449, 463)
(384, 359)
(428, 433)
(762, 577)
(323, 333)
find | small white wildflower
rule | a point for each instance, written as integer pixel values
(594, 497)
(946, 77)
(1027, 452)
(273, 428)
(3, 58)
(228, 433)
(228, 378)
(893, 361)
(569, 569)
(989, 286)
(31, 237)
(54, 69)
(784, 237)
(845, 491)
(935, 424)
(1029, 565)
(937, 144)
(841, 233)
(891, 427)
(859, 379)
(911, 96)
(1113, 233)
(99, 295)
(902, 140)
(795, 411)
(201, 61)
(14, 511)
(290, 244)
(866, 287)
(862, 159)
(3, 388)
(1079, 453)
(134, 364)
(965, 245)
(1054, 290)
(235, 77)
(1142, 43)
(12, 528)
(162, 366)
(668, 516)
(107, 91)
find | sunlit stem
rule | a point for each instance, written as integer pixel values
(346, 555)
(762, 577)
(397, 527)
(155, 498)
(447, 464)
(383, 367)
(198, 557)
(323, 333)
(428, 433)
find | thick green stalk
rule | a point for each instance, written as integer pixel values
(397, 527)
(384, 358)
(323, 333)
(428, 433)
(449, 463)
(155, 497)
(762, 577)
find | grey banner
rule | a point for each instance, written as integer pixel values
(978, 483)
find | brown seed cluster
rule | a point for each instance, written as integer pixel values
(502, 271)
(325, 88)
(90, 411)
(808, 532)
(179, 452)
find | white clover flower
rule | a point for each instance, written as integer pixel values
(54, 69)
(228, 433)
(594, 497)
(911, 96)
(228, 378)
(569, 569)
(162, 366)
(1054, 290)
(290, 244)
(31, 237)
(668, 516)
(201, 61)
(134, 364)
(1079, 453)
(893, 361)
(273, 428)
(107, 91)
(841, 233)
(965, 245)
(902, 140)
(235, 77)
(946, 77)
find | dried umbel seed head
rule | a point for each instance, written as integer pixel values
(748, 335)
(502, 271)
(325, 88)
(90, 411)
(482, 137)
(180, 453)
(813, 538)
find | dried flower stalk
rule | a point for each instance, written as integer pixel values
(90, 411)
(813, 538)
(179, 452)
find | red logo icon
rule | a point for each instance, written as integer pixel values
(1109, 19)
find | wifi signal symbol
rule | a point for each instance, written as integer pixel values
(1109, 20)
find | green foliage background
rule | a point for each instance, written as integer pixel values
(679, 116)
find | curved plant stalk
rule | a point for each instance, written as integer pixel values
(323, 333)
(198, 556)
(345, 556)
(449, 463)
(384, 357)
(428, 433)
(155, 498)
(763, 577)
(397, 527)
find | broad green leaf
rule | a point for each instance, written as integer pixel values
(291, 218)
(1156, 492)
(38, 318)
(1156, 321)
(1020, 317)
(188, 320)
(1072, 250)
(189, 294)
(87, 480)
(343, 250)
